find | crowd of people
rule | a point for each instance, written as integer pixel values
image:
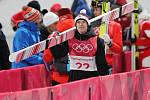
(81, 57)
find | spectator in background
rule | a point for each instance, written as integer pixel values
(66, 20)
(35, 4)
(124, 21)
(59, 72)
(26, 35)
(79, 5)
(55, 7)
(113, 39)
(50, 20)
(16, 19)
(4, 51)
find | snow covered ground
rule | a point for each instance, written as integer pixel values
(9, 7)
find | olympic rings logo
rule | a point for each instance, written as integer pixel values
(85, 48)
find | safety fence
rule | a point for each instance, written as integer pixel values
(24, 78)
(37, 77)
(124, 86)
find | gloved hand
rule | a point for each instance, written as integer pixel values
(107, 39)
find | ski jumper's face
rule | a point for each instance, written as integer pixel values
(82, 26)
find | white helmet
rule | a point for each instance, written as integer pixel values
(50, 18)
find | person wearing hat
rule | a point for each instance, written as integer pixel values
(113, 39)
(55, 8)
(49, 25)
(26, 35)
(78, 5)
(16, 19)
(4, 51)
(34, 4)
(86, 52)
(58, 70)
(66, 20)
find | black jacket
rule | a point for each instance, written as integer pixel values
(44, 33)
(4, 52)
